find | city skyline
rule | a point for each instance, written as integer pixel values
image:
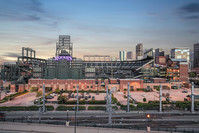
(97, 27)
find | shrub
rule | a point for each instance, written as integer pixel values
(140, 89)
(124, 107)
(33, 89)
(148, 106)
(24, 108)
(39, 93)
(125, 96)
(97, 102)
(115, 108)
(144, 99)
(65, 108)
(114, 100)
(57, 91)
(131, 89)
(47, 89)
(62, 99)
(96, 108)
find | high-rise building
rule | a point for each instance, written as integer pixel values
(159, 52)
(129, 55)
(122, 55)
(180, 53)
(139, 51)
(196, 55)
(192, 59)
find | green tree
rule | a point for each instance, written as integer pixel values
(57, 91)
(144, 99)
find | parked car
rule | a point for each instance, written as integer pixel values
(185, 91)
(85, 98)
(49, 97)
(93, 97)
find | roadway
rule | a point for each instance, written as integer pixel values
(134, 120)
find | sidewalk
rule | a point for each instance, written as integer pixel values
(62, 129)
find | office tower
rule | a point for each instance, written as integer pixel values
(129, 55)
(158, 52)
(196, 55)
(180, 53)
(192, 59)
(139, 51)
(122, 55)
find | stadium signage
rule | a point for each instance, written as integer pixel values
(68, 58)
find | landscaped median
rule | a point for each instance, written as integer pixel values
(70, 108)
(25, 108)
(83, 102)
(101, 108)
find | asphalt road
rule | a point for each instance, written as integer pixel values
(120, 120)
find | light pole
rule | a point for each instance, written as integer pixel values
(43, 98)
(67, 115)
(192, 97)
(128, 109)
(67, 121)
(77, 97)
(148, 116)
(75, 122)
(160, 99)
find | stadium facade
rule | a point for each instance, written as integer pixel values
(65, 66)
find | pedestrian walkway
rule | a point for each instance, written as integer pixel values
(42, 128)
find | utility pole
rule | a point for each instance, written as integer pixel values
(107, 98)
(39, 114)
(192, 97)
(128, 109)
(77, 97)
(109, 105)
(160, 100)
(110, 109)
(43, 98)
(75, 122)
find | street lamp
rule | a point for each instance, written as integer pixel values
(67, 121)
(67, 115)
(148, 116)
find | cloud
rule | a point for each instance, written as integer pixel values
(27, 10)
(190, 8)
(36, 6)
(11, 55)
(189, 11)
